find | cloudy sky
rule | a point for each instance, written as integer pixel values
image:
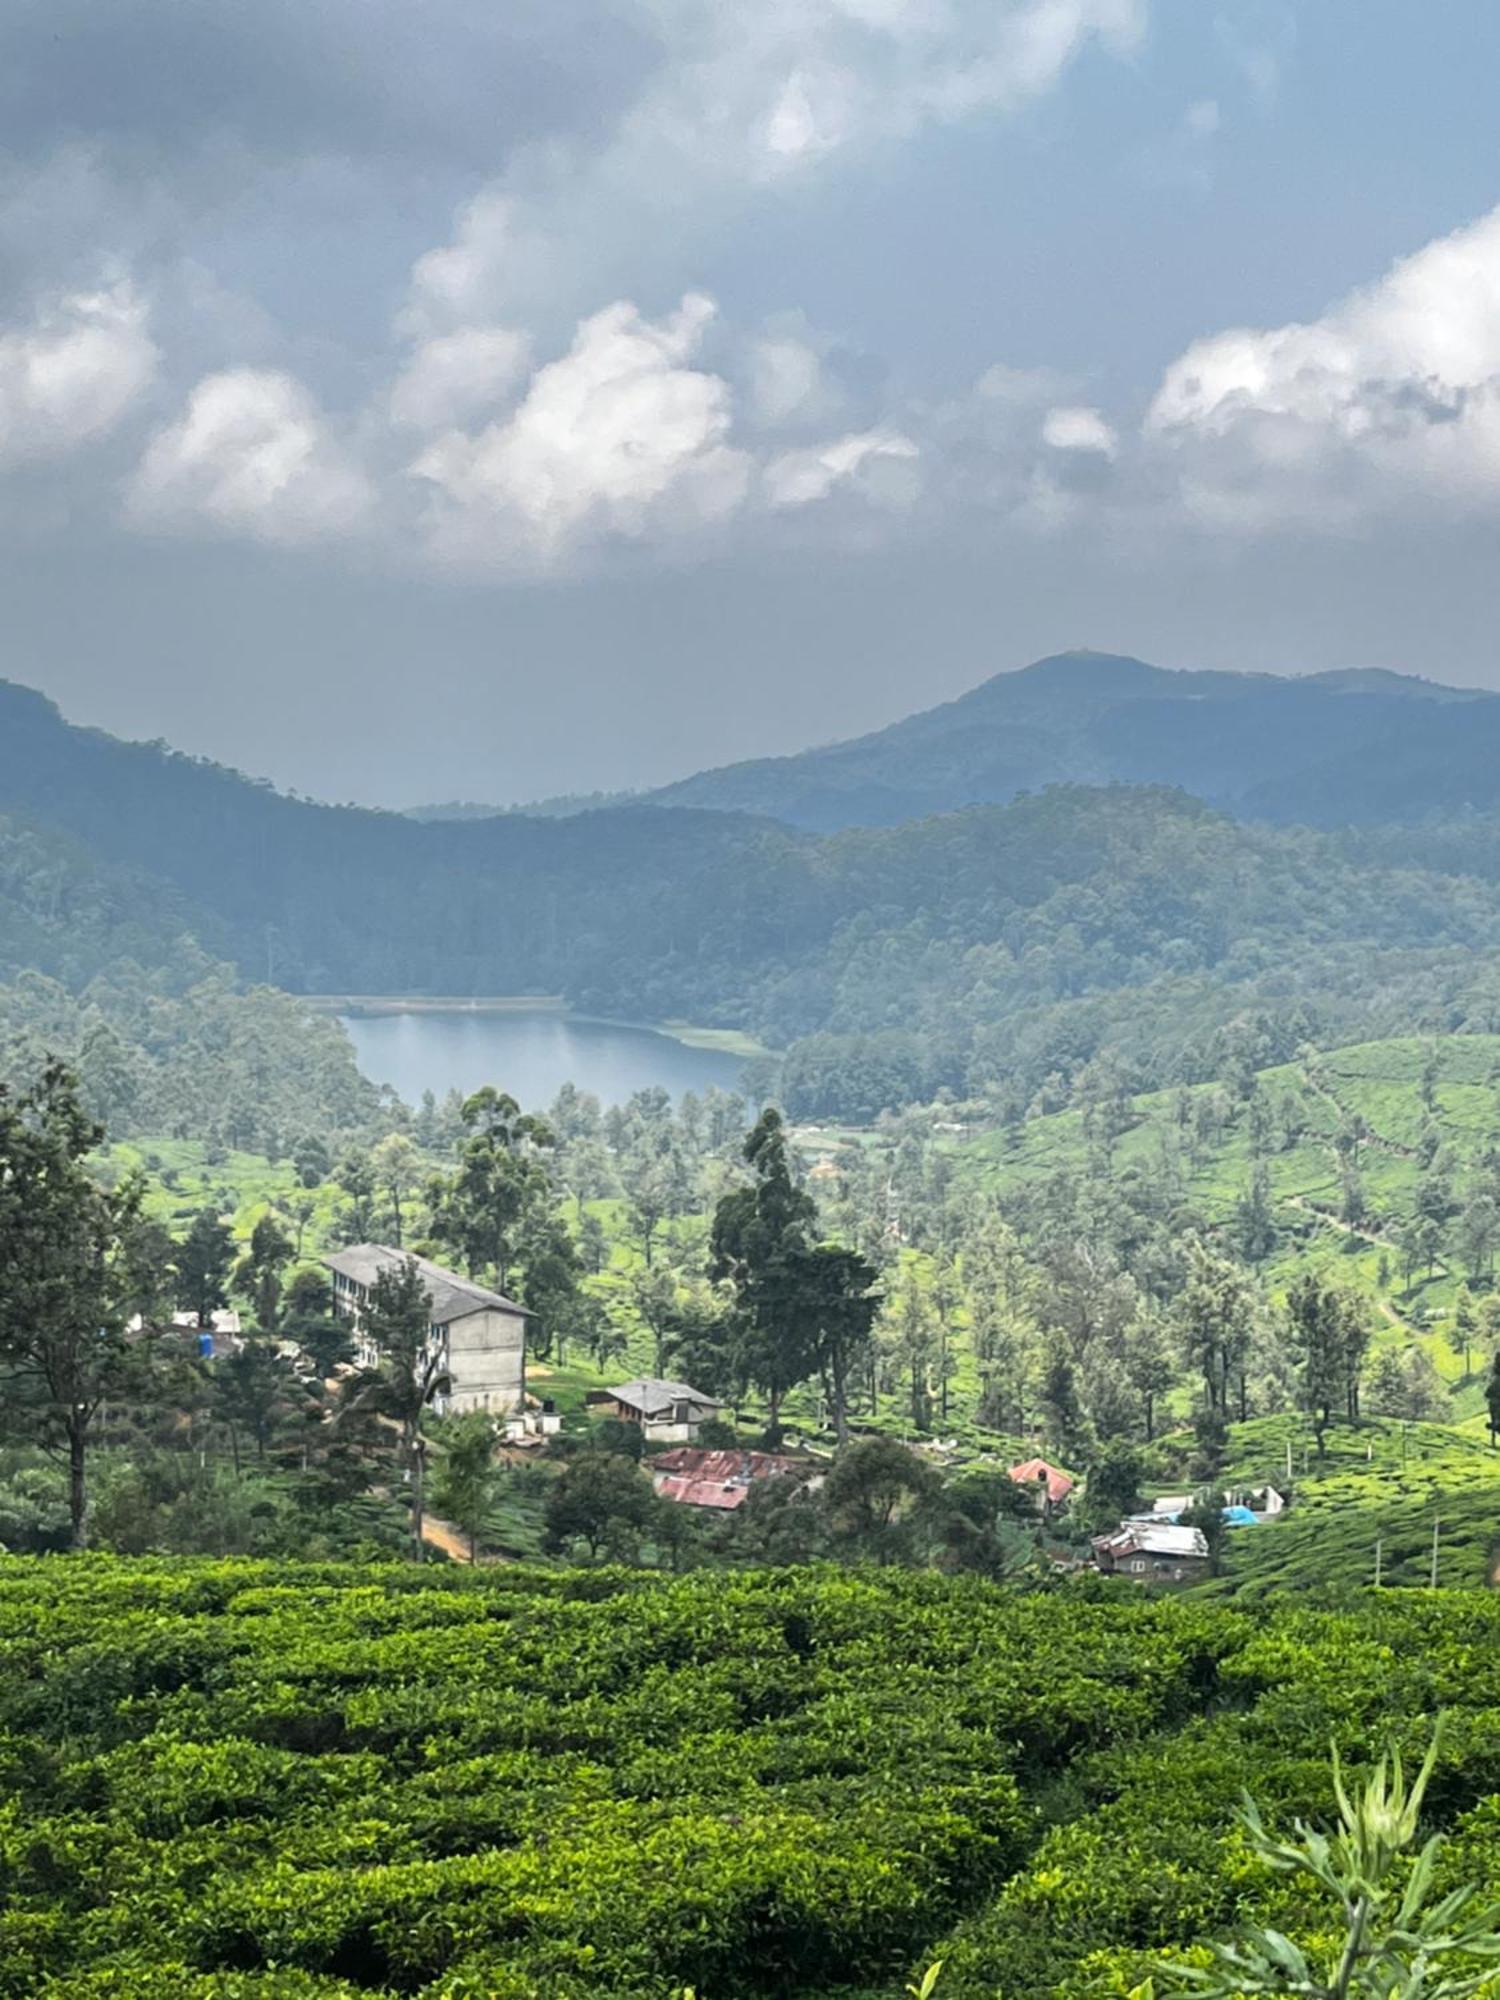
(498, 397)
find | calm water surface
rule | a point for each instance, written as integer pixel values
(532, 1055)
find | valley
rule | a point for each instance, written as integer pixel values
(1099, 1129)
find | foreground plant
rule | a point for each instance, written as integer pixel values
(1396, 1944)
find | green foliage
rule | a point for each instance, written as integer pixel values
(268, 1779)
(203, 1260)
(1394, 1942)
(991, 948)
(601, 1502)
(75, 1265)
(467, 1476)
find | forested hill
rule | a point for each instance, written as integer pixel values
(1001, 944)
(1327, 749)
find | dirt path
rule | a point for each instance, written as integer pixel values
(1387, 1310)
(1370, 1137)
(443, 1535)
(1372, 1236)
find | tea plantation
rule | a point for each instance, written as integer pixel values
(259, 1783)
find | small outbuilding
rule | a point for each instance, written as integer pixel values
(667, 1412)
(1051, 1485)
(1153, 1552)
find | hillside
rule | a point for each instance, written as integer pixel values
(1353, 1147)
(105, 964)
(973, 952)
(1324, 749)
(1375, 1499)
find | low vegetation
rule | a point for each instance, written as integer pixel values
(246, 1779)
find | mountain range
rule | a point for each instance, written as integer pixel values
(1328, 749)
(1017, 939)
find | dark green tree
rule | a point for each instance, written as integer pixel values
(309, 1318)
(1329, 1334)
(836, 1288)
(879, 1498)
(70, 1279)
(312, 1160)
(479, 1209)
(410, 1372)
(1215, 1315)
(1255, 1223)
(601, 1499)
(1062, 1412)
(395, 1163)
(551, 1287)
(1114, 1482)
(256, 1395)
(1207, 1516)
(357, 1178)
(258, 1273)
(466, 1474)
(758, 1244)
(203, 1261)
(1148, 1364)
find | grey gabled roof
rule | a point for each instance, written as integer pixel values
(648, 1394)
(1151, 1538)
(452, 1297)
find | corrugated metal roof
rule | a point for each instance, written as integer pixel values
(651, 1395)
(719, 1479)
(1152, 1538)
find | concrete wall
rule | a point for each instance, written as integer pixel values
(487, 1362)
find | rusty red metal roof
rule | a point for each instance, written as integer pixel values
(719, 1479)
(1032, 1471)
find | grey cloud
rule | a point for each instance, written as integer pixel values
(459, 83)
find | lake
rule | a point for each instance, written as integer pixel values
(530, 1053)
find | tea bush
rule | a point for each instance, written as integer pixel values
(242, 1781)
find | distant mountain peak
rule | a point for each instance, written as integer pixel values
(1238, 740)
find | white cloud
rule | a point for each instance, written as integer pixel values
(253, 455)
(812, 114)
(742, 98)
(71, 376)
(792, 81)
(787, 380)
(799, 478)
(1074, 427)
(456, 377)
(1391, 398)
(461, 283)
(619, 434)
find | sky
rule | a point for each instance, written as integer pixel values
(500, 398)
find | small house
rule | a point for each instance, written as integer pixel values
(1153, 1552)
(1050, 1486)
(667, 1412)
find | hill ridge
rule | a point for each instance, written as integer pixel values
(1277, 746)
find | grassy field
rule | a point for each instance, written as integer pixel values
(183, 1176)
